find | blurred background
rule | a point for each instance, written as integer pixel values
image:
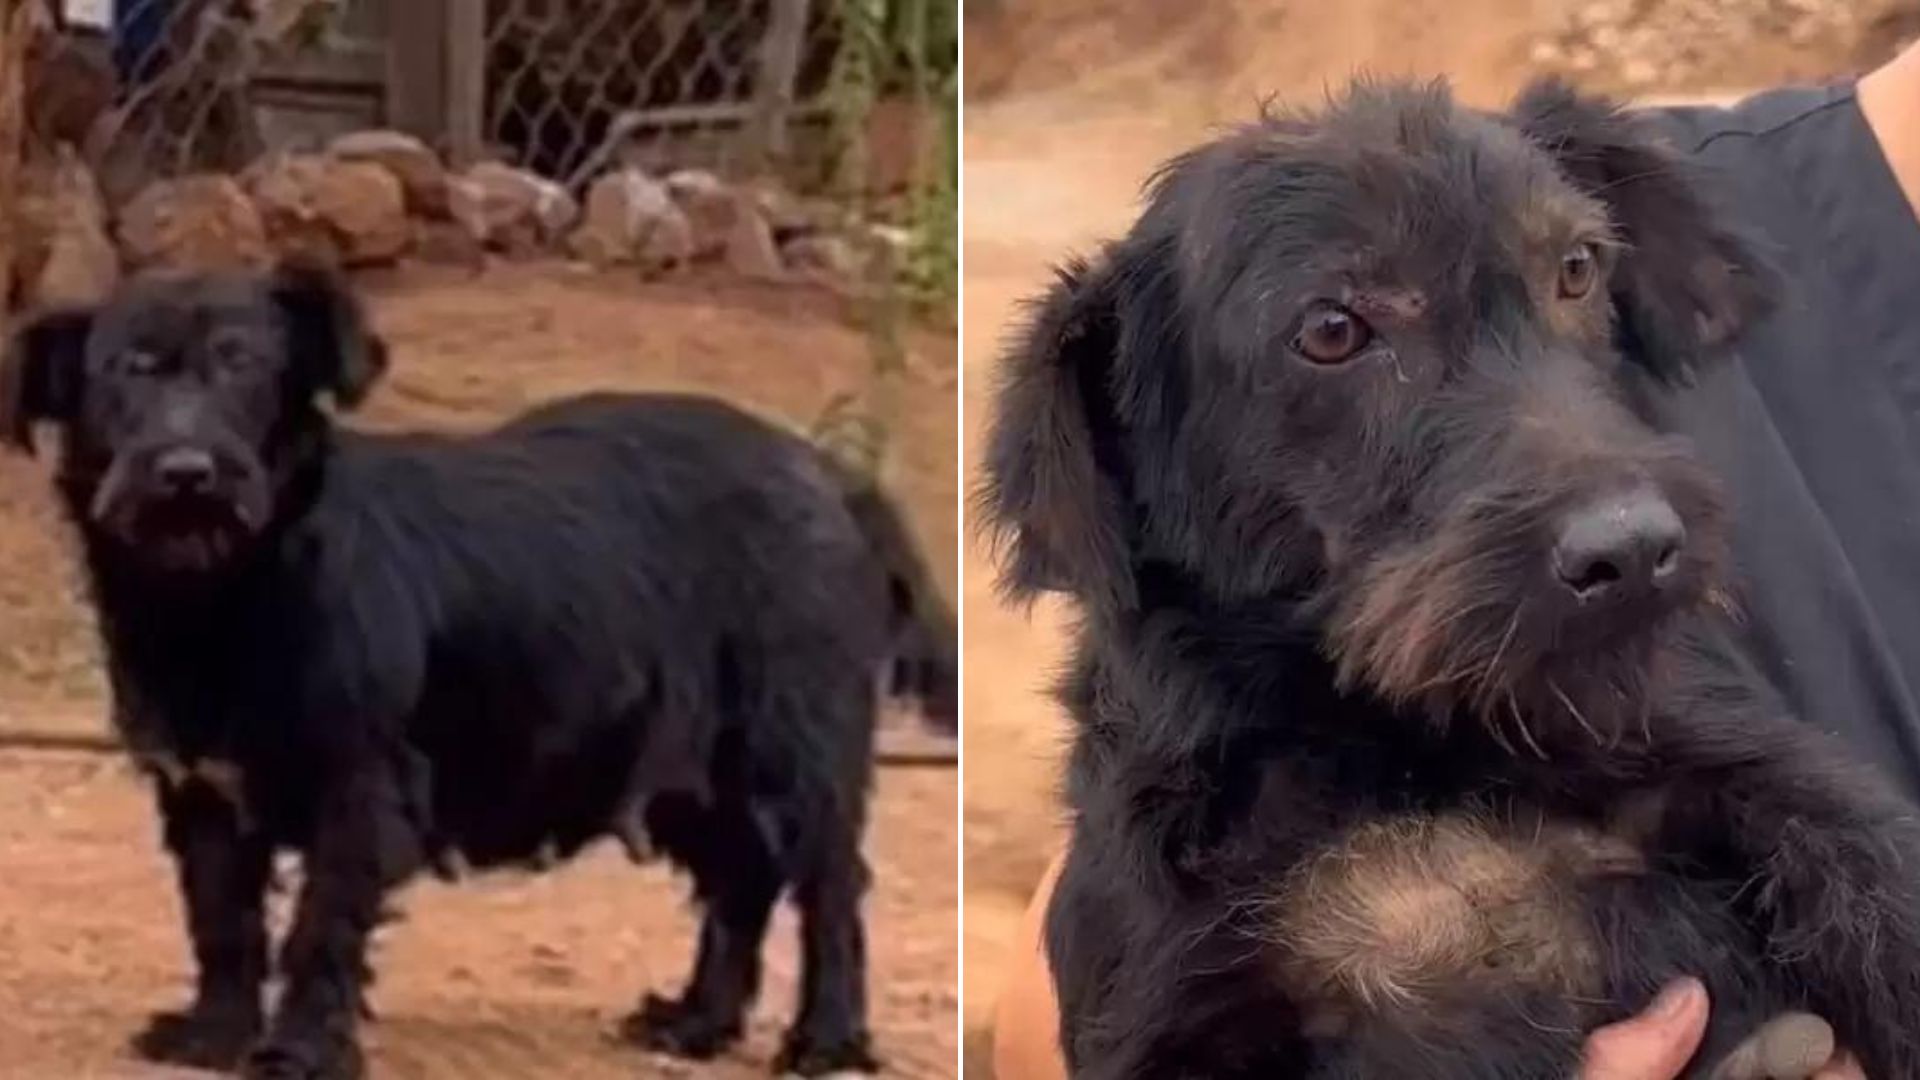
(749, 198)
(1069, 104)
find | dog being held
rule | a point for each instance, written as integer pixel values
(1411, 737)
(651, 617)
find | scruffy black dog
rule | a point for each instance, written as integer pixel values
(652, 617)
(1409, 741)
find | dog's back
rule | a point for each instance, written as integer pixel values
(595, 597)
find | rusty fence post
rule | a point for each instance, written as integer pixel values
(767, 139)
(466, 99)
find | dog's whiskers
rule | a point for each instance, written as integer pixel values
(1578, 716)
(1525, 733)
(1499, 653)
(1491, 721)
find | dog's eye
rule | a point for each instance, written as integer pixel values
(230, 355)
(1578, 269)
(1330, 334)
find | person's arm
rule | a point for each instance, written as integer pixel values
(1026, 1021)
(1890, 100)
(1655, 1045)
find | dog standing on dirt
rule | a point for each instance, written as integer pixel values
(645, 616)
(1411, 739)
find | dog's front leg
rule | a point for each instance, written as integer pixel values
(363, 844)
(1828, 862)
(223, 868)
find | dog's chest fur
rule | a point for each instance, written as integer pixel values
(1375, 866)
(1400, 912)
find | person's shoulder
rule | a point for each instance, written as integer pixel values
(1751, 124)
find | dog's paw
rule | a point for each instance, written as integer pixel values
(197, 1038)
(809, 1056)
(295, 1059)
(674, 1027)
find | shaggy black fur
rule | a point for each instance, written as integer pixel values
(651, 616)
(1367, 781)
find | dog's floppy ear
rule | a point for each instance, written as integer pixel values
(331, 344)
(1052, 497)
(1688, 282)
(41, 374)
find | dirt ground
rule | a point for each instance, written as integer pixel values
(507, 976)
(1072, 102)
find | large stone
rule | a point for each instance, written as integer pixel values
(669, 244)
(467, 207)
(447, 243)
(511, 209)
(67, 256)
(366, 208)
(331, 211)
(413, 162)
(751, 252)
(630, 218)
(193, 223)
(284, 187)
(712, 208)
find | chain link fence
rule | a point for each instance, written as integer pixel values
(564, 88)
(148, 89)
(184, 67)
(576, 85)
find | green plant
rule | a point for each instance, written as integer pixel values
(910, 49)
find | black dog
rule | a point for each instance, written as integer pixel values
(1411, 741)
(650, 617)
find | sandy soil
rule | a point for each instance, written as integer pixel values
(505, 976)
(1071, 103)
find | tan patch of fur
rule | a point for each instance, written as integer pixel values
(1406, 910)
(1395, 635)
(1404, 304)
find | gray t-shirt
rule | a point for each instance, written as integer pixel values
(1816, 424)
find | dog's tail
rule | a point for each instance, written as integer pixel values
(924, 662)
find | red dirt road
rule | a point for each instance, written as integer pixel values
(500, 976)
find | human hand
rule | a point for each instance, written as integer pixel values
(1658, 1044)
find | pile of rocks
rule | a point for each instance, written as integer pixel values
(373, 198)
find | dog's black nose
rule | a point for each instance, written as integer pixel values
(185, 470)
(1619, 546)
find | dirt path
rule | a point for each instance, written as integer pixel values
(503, 976)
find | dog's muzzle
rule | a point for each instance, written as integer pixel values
(182, 506)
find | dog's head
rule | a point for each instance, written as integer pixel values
(1374, 366)
(186, 404)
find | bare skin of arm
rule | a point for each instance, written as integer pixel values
(1890, 99)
